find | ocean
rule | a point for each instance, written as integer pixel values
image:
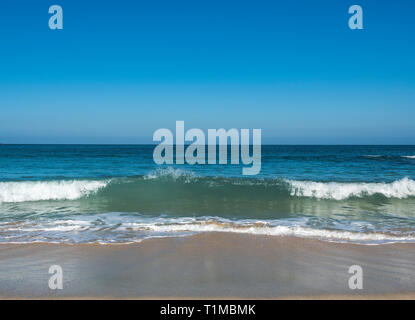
(117, 194)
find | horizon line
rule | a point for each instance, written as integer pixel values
(155, 144)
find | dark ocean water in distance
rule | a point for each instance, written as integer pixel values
(116, 193)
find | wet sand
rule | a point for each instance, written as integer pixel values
(210, 265)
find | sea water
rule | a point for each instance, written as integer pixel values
(117, 194)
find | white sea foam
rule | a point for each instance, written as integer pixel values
(400, 189)
(124, 229)
(48, 190)
(264, 229)
(172, 173)
(409, 157)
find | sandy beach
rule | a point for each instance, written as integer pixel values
(209, 265)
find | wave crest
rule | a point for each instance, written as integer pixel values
(48, 190)
(400, 189)
(171, 173)
(155, 188)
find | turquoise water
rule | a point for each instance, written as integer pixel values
(116, 194)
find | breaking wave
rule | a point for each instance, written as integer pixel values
(170, 186)
(399, 189)
(48, 190)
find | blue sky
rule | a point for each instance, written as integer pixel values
(122, 69)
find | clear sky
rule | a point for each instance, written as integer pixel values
(119, 70)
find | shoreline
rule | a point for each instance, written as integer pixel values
(209, 266)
